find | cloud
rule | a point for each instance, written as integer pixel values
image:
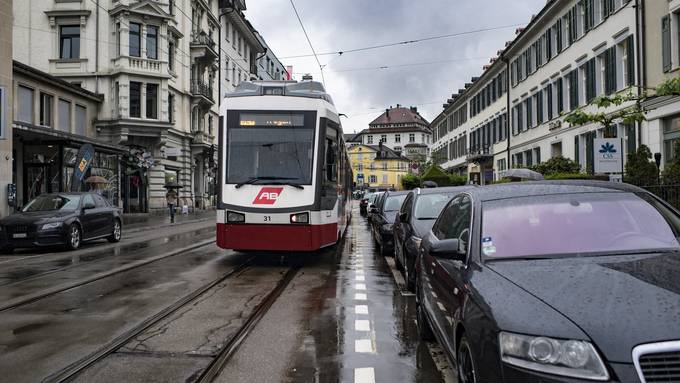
(336, 25)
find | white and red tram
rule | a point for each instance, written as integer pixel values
(285, 181)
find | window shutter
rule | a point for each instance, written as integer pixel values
(666, 43)
(577, 150)
(630, 46)
(549, 93)
(560, 96)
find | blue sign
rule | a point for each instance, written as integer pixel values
(83, 163)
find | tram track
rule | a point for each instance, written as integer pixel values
(37, 296)
(71, 372)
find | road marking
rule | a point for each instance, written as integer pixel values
(360, 286)
(364, 375)
(360, 297)
(363, 346)
(361, 309)
(362, 325)
(360, 278)
(359, 272)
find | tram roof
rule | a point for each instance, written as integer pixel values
(307, 89)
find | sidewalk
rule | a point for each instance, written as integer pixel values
(141, 222)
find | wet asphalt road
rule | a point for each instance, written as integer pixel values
(342, 317)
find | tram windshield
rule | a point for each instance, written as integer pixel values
(266, 147)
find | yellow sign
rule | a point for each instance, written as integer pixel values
(83, 165)
(247, 123)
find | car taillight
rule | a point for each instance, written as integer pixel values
(234, 217)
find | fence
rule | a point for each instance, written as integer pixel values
(669, 193)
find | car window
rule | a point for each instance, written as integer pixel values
(429, 206)
(393, 203)
(88, 200)
(602, 223)
(445, 220)
(100, 201)
(408, 204)
(49, 202)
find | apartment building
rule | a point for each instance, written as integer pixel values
(377, 166)
(160, 67)
(6, 102)
(268, 65)
(401, 129)
(570, 53)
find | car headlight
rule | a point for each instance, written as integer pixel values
(573, 358)
(233, 217)
(50, 226)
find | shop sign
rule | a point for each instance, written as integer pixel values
(608, 155)
(83, 162)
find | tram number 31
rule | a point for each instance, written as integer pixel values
(267, 218)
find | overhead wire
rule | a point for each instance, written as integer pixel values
(309, 42)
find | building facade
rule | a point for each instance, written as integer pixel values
(161, 68)
(570, 53)
(377, 166)
(401, 129)
(6, 102)
(268, 65)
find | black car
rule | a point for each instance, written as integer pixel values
(363, 204)
(382, 219)
(416, 217)
(373, 202)
(61, 219)
(554, 282)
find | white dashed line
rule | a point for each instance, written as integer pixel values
(364, 375)
(362, 325)
(360, 278)
(360, 286)
(361, 309)
(360, 297)
(360, 272)
(363, 346)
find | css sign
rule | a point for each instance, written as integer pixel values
(608, 155)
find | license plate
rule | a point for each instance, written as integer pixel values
(20, 235)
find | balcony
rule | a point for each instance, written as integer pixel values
(202, 92)
(480, 154)
(203, 47)
(140, 65)
(202, 140)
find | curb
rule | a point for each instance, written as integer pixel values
(14, 303)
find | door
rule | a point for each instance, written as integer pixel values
(37, 181)
(90, 218)
(402, 229)
(104, 215)
(446, 275)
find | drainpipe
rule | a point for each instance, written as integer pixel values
(219, 54)
(96, 57)
(507, 109)
(641, 24)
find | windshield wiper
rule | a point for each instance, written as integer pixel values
(426, 219)
(297, 186)
(256, 179)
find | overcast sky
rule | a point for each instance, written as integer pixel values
(363, 94)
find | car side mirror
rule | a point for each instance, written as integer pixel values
(448, 249)
(88, 206)
(403, 217)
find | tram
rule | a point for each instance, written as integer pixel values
(285, 180)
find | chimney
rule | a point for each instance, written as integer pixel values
(414, 109)
(387, 113)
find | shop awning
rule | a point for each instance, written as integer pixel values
(31, 132)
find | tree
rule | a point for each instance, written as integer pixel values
(640, 169)
(436, 174)
(456, 180)
(410, 181)
(671, 172)
(557, 165)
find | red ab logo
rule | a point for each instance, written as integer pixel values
(267, 196)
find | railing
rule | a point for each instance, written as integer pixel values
(203, 38)
(202, 89)
(202, 138)
(480, 151)
(141, 64)
(668, 193)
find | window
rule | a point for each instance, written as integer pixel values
(372, 179)
(454, 222)
(360, 167)
(556, 149)
(384, 179)
(46, 106)
(171, 108)
(171, 7)
(64, 115)
(135, 40)
(118, 42)
(411, 137)
(397, 138)
(171, 56)
(81, 120)
(369, 139)
(591, 85)
(69, 42)
(384, 166)
(152, 101)
(135, 99)
(383, 138)
(666, 43)
(152, 42)
(537, 155)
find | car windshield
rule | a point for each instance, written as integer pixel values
(577, 224)
(53, 203)
(393, 203)
(428, 206)
(270, 147)
(374, 198)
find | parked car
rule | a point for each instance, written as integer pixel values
(383, 218)
(372, 203)
(61, 219)
(554, 282)
(363, 204)
(416, 217)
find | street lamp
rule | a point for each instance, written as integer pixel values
(657, 159)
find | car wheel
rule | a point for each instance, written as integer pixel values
(74, 237)
(409, 276)
(117, 233)
(424, 329)
(467, 367)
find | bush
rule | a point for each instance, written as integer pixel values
(572, 176)
(671, 172)
(557, 165)
(438, 175)
(640, 170)
(410, 181)
(456, 180)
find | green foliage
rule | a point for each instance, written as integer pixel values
(456, 180)
(569, 176)
(410, 181)
(436, 174)
(670, 87)
(629, 115)
(557, 165)
(640, 169)
(671, 172)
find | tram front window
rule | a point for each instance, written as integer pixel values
(270, 149)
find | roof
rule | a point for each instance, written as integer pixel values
(389, 154)
(415, 145)
(406, 129)
(352, 137)
(47, 78)
(539, 188)
(441, 190)
(400, 115)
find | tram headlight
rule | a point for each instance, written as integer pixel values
(234, 217)
(299, 218)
